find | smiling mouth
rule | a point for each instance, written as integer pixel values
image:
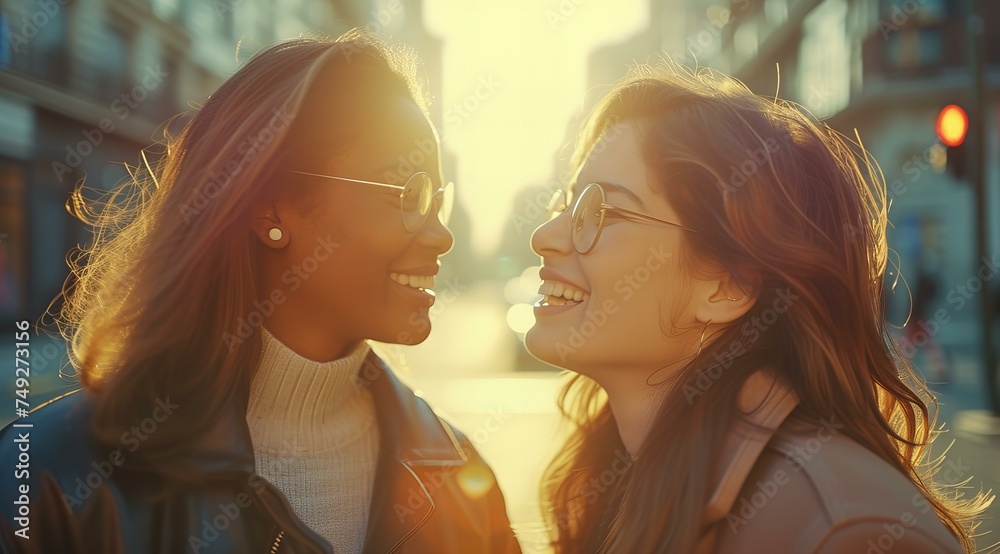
(556, 293)
(422, 283)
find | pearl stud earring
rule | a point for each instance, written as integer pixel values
(274, 234)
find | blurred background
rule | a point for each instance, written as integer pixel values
(510, 83)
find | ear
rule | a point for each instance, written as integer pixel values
(268, 229)
(725, 301)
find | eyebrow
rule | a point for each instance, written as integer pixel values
(611, 187)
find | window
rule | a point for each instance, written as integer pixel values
(35, 41)
(912, 32)
(13, 240)
(824, 60)
(166, 9)
(776, 12)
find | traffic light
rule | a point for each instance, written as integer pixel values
(952, 127)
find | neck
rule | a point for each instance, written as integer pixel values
(312, 340)
(633, 404)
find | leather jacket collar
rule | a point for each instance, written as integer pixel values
(409, 430)
(411, 437)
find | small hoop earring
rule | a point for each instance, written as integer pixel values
(274, 234)
(701, 344)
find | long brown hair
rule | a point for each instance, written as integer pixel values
(785, 205)
(158, 305)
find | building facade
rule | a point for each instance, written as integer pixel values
(86, 84)
(884, 68)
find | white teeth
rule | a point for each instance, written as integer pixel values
(560, 294)
(415, 281)
(557, 301)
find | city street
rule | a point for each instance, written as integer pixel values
(608, 178)
(511, 416)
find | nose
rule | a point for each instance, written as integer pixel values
(435, 235)
(552, 237)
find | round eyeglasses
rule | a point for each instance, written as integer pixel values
(416, 197)
(589, 212)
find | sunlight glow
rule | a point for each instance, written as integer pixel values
(515, 75)
(520, 318)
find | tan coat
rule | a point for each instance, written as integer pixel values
(791, 486)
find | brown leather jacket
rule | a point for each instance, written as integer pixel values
(433, 493)
(788, 485)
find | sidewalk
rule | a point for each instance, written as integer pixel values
(972, 457)
(977, 460)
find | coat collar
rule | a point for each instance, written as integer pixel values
(408, 429)
(418, 449)
(415, 446)
(411, 438)
(764, 402)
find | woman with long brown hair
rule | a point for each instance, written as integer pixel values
(220, 323)
(713, 276)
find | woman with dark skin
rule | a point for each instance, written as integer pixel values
(220, 323)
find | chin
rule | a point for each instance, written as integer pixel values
(410, 331)
(411, 339)
(545, 350)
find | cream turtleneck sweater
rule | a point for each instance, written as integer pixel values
(315, 438)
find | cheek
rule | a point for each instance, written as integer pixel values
(638, 291)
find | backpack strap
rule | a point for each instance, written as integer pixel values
(765, 402)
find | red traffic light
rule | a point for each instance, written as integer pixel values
(952, 124)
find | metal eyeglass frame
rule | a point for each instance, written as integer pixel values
(440, 191)
(605, 208)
